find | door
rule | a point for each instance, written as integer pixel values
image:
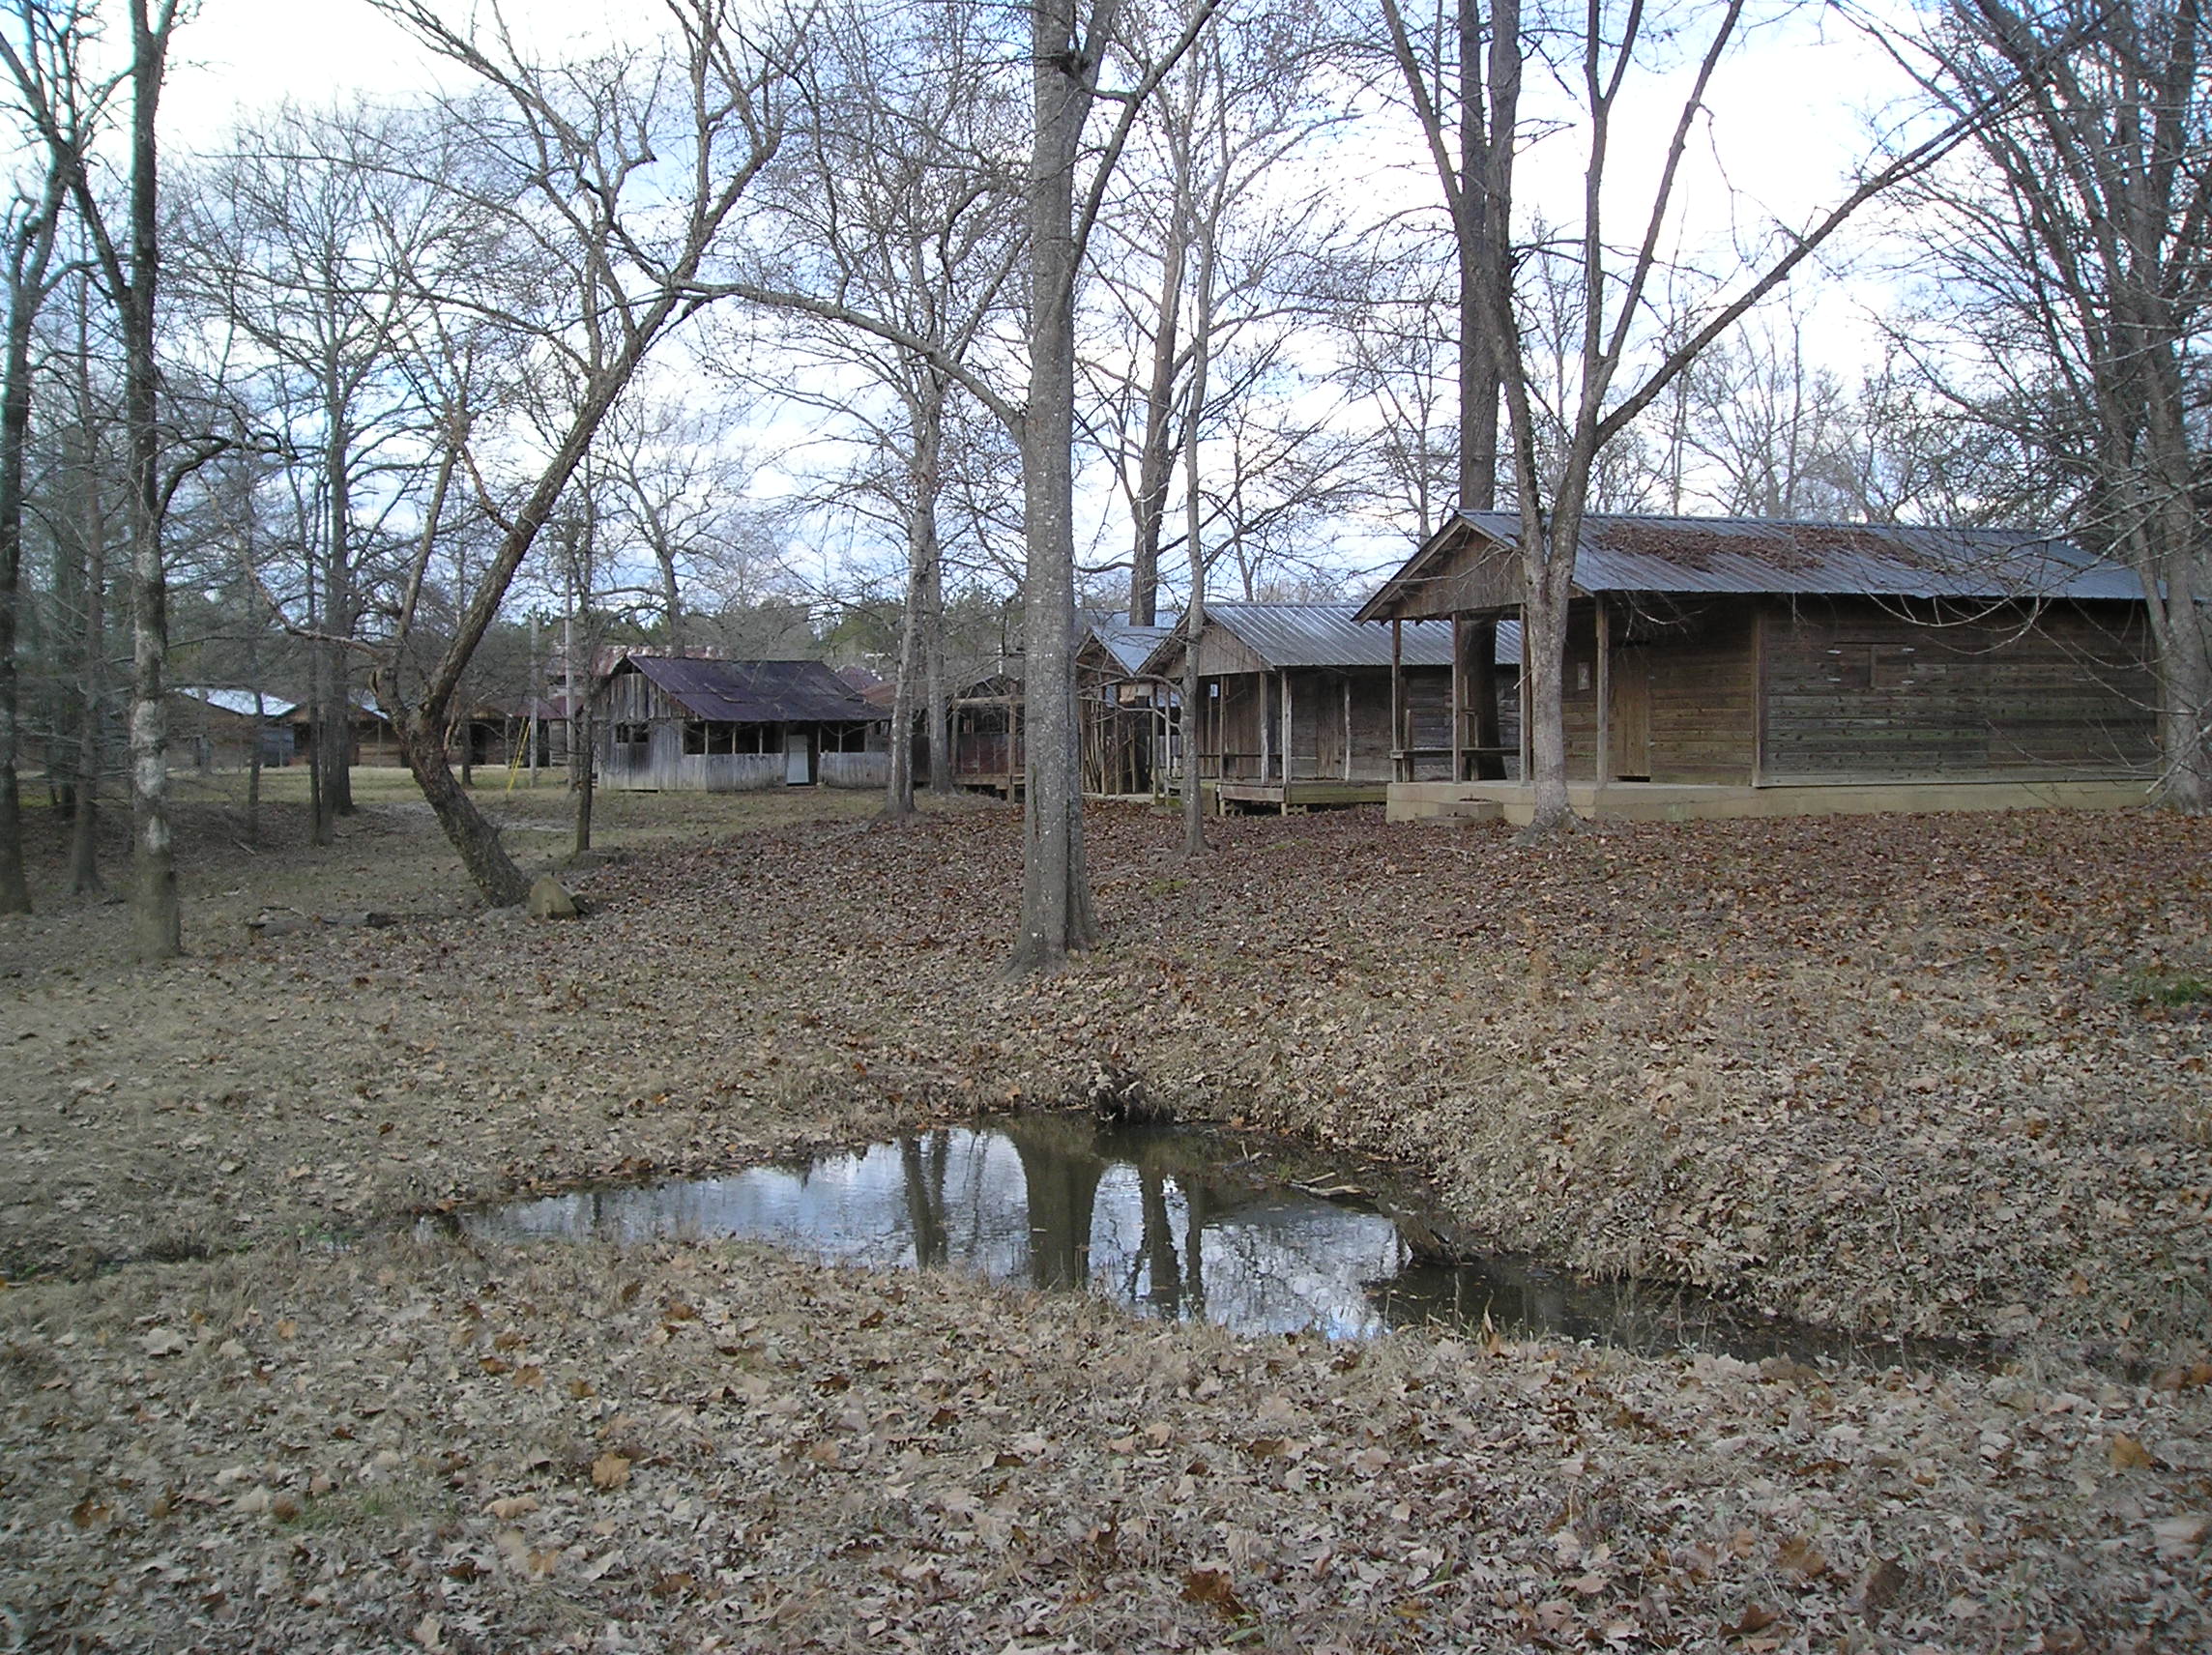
(1629, 717)
(798, 759)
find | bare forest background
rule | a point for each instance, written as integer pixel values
(891, 333)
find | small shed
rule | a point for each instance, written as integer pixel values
(221, 729)
(673, 723)
(1129, 718)
(1299, 705)
(1731, 657)
(374, 740)
(989, 750)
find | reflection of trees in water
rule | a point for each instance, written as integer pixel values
(922, 1170)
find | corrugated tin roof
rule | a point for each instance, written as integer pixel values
(1129, 645)
(1325, 635)
(756, 692)
(1876, 560)
(236, 701)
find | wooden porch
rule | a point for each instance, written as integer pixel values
(1514, 802)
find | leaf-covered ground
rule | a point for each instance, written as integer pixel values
(1930, 1075)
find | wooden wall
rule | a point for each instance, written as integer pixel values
(1856, 688)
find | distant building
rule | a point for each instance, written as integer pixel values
(684, 724)
(1301, 706)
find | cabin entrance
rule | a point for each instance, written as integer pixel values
(798, 759)
(1628, 715)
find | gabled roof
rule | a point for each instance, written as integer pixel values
(1328, 635)
(235, 700)
(754, 692)
(1129, 646)
(1794, 558)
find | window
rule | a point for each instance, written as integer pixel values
(844, 737)
(632, 735)
(1582, 679)
(694, 735)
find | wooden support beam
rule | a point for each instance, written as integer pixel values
(1401, 737)
(1286, 714)
(1347, 726)
(1604, 692)
(1458, 698)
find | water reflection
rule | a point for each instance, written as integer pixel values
(1167, 1222)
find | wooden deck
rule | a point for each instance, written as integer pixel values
(1515, 802)
(1296, 795)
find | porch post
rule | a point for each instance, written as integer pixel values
(1458, 699)
(1347, 726)
(1286, 714)
(1521, 694)
(1401, 764)
(1267, 729)
(1604, 692)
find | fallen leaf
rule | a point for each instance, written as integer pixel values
(2129, 1454)
(610, 1471)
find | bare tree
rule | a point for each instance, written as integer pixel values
(68, 115)
(1624, 361)
(29, 228)
(905, 203)
(626, 170)
(2080, 261)
(1070, 47)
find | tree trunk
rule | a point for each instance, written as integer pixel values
(26, 288)
(84, 814)
(1155, 460)
(337, 721)
(937, 696)
(586, 768)
(899, 788)
(156, 920)
(477, 841)
(1057, 917)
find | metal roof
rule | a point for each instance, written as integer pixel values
(1130, 645)
(236, 701)
(1764, 555)
(755, 692)
(1325, 635)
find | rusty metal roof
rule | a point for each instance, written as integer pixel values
(1875, 559)
(755, 692)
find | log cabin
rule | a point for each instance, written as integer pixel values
(1736, 666)
(1299, 706)
(684, 724)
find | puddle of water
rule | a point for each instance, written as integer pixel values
(1173, 1224)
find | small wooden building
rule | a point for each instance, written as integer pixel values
(375, 743)
(683, 724)
(1128, 719)
(1299, 705)
(989, 752)
(221, 729)
(1746, 666)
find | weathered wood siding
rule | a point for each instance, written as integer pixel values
(855, 769)
(1472, 573)
(1861, 689)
